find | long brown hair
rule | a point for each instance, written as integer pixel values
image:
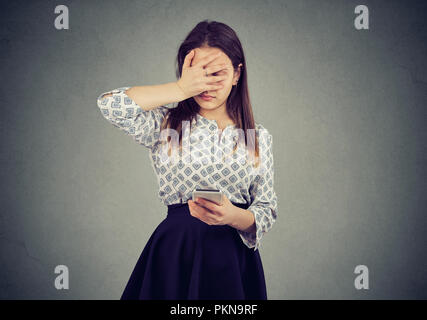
(218, 35)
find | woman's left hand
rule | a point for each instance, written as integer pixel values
(211, 213)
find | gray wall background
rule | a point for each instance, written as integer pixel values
(347, 110)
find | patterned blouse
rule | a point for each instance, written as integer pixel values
(237, 179)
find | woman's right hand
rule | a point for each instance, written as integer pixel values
(193, 79)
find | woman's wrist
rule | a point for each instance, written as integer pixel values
(182, 95)
(243, 220)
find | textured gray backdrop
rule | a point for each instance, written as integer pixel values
(347, 110)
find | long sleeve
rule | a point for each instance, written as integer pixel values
(263, 196)
(120, 110)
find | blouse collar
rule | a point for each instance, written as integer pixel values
(209, 123)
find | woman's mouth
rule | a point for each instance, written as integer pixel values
(206, 97)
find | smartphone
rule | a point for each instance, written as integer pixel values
(213, 195)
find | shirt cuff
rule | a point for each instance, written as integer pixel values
(250, 239)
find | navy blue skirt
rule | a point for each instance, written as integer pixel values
(187, 259)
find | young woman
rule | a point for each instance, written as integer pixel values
(202, 250)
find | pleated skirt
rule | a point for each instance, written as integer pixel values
(187, 259)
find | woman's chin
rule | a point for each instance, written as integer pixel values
(206, 104)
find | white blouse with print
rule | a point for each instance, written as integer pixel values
(237, 179)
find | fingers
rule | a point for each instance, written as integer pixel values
(191, 206)
(216, 68)
(194, 76)
(201, 213)
(207, 204)
(210, 57)
(187, 59)
(213, 87)
(215, 79)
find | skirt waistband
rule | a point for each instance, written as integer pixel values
(183, 207)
